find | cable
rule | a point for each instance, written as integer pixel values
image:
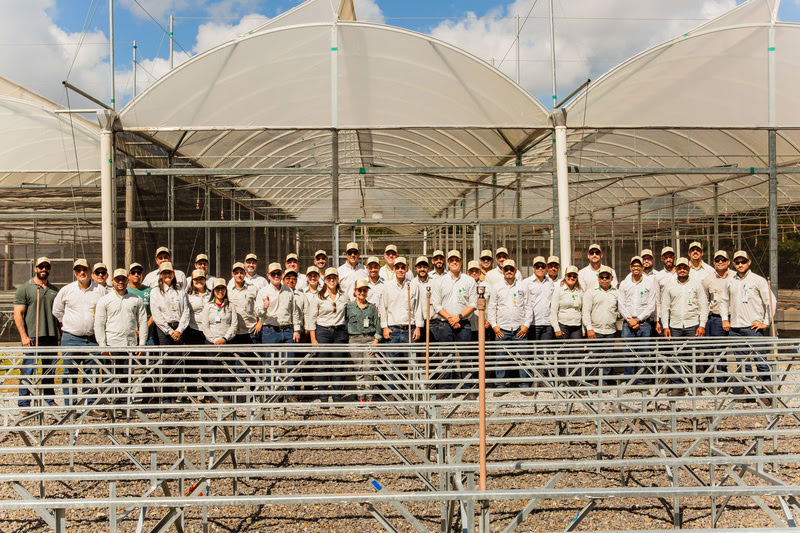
(520, 31)
(166, 32)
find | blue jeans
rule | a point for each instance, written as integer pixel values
(442, 331)
(637, 352)
(541, 333)
(284, 336)
(72, 361)
(48, 369)
(714, 329)
(399, 361)
(681, 333)
(600, 351)
(746, 357)
(509, 338)
(332, 361)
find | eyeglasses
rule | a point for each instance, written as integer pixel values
(273, 274)
(720, 260)
(352, 252)
(740, 262)
(45, 267)
(594, 252)
(571, 276)
(539, 266)
(512, 269)
(136, 272)
(101, 272)
(606, 276)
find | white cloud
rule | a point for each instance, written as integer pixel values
(158, 9)
(369, 11)
(211, 34)
(591, 36)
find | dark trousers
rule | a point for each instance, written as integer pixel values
(48, 371)
(541, 333)
(170, 366)
(509, 339)
(196, 360)
(270, 335)
(751, 357)
(714, 329)
(72, 363)
(634, 339)
(444, 332)
(398, 361)
(571, 332)
(331, 363)
(679, 333)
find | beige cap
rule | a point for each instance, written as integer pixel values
(201, 257)
(274, 267)
(164, 267)
(373, 259)
(220, 282)
(667, 250)
(390, 248)
(421, 259)
(636, 259)
(453, 253)
(362, 284)
(98, 266)
(501, 250)
(682, 262)
(510, 263)
(135, 265)
(289, 272)
(437, 253)
(351, 246)
(313, 269)
(42, 260)
(605, 270)
(198, 273)
(331, 272)
(473, 264)
(320, 252)
(163, 249)
(741, 253)
(80, 263)
(594, 246)
(401, 261)
(538, 259)
(645, 252)
(486, 253)
(252, 256)
(236, 265)
(572, 269)
(120, 273)
(721, 253)
(696, 244)
(553, 259)
(292, 256)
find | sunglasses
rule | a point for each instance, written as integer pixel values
(47, 267)
(740, 262)
(720, 260)
(352, 252)
(571, 276)
(101, 272)
(605, 277)
(136, 272)
(512, 269)
(539, 266)
(594, 252)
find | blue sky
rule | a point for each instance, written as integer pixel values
(38, 50)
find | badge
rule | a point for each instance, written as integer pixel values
(366, 322)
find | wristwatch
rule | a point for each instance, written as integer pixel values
(460, 317)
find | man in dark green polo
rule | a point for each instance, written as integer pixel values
(33, 316)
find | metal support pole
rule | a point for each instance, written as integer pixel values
(217, 252)
(233, 230)
(518, 211)
(639, 236)
(335, 193)
(518, 69)
(252, 232)
(476, 240)
(773, 210)
(739, 232)
(494, 212)
(134, 69)
(129, 213)
(7, 263)
(674, 228)
(716, 218)
(613, 241)
(171, 42)
(559, 117)
(111, 61)
(171, 211)
(106, 119)
(207, 209)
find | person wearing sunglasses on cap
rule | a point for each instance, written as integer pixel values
(746, 312)
(588, 275)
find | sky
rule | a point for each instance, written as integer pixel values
(43, 42)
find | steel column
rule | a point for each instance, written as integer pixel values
(773, 210)
(335, 193)
(559, 118)
(106, 118)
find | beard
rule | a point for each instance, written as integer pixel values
(43, 275)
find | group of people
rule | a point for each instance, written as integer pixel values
(376, 301)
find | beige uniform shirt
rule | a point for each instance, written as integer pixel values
(600, 310)
(715, 290)
(566, 306)
(118, 318)
(684, 305)
(281, 311)
(747, 300)
(244, 303)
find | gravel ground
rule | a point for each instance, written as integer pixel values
(621, 513)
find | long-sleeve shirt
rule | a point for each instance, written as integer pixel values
(684, 305)
(510, 306)
(219, 322)
(587, 276)
(539, 293)
(566, 306)
(702, 272)
(487, 295)
(348, 277)
(196, 304)
(453, 295)
(327, 313)
(169, 307)
(394, 305)
(715, 290)
(257, 281)
(244, 303)
(75, 307)
(282, 310)
(118, 318)
(362, 321)
(151, 279)
(422, 290)
(638, 299)
(747, 300)
(600, 310)
(495, 276)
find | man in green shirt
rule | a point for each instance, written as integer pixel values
(33, 316)
(138, 288)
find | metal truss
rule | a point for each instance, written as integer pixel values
(182, 431)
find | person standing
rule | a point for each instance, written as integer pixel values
(438, 265)
(201, 263)
(539, 289)
(474, 271)
(327, 326)
(243, 298)
(74, 307)
(219, 323)
(588, 275)
(376, 283)
(454, 298)
(664, 277)
(553, 268)
(699, 270)
(637, 305)
(509, 313)
(390, 257)
(566, 306)
(198, 296)
(351, 270)
(600, 313)
(684, 311)
(647, 262)
(120, 320)
(100, 274)
(364, 330)
(486, 261)
(293, 263)
(399, 314)
(746, 312)
(251, 276)
(37, 327)
(320, 260)
(495, 275)
(151, 279)
(421, 282)
(137, 288)
(715, 286)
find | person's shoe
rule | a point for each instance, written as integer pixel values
(501, 392)
(470, 396)
(292, 399)
(51, 403)
(676, 392)
(765, 402)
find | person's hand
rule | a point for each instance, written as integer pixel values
(591, 334)
(296, 336)
(387, 334)
(658, 328)
(27, 341)
(486, 324)
(667, 332)
(453, 320)
(415, 336)
(522, 333)
(219, 341)
(726, 325)
(758, 325)
(257, 329)
(559, 334)
(633, 323)
(701, 331)
(498, 333)
(266, 302)
(176, 336)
